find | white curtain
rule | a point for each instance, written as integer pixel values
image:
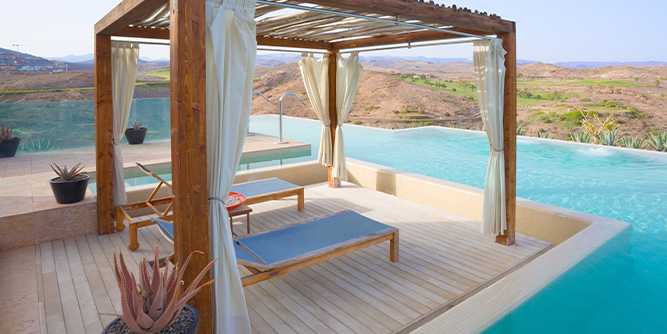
(230, 65)
(489, 63)
(315, 75)
(124, 58)
(347, 84)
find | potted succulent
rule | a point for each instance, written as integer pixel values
(8, 143)
(157, 302)
(70, 184)
(136, 134)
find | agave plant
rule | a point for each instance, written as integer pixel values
(542, 133)
(136, 125)
(68, 174)
(594, 127)
(155, 301)
(632, 142)
(521, 130)
(658, 141)
(580, 137)
(5, 134)
(609, 137)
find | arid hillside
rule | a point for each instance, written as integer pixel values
(407, 93)
(383, 100)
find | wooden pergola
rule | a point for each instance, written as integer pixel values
(330, 25)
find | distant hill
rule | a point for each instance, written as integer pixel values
(22, 62)
(598, 64)
(74, 58)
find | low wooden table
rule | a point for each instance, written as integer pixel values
(240, 211)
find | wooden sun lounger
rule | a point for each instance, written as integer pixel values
(278, 252)
(255, 191)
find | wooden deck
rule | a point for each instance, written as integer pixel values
(68, 286)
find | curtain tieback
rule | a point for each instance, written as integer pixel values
(213, 198)
(498, 150)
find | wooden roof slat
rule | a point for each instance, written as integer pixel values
(317, 29)
(276, 27)
(423, 11)
(126, 13)
(292, 20)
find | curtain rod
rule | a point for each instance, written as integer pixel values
(365, 17)
(409, 45)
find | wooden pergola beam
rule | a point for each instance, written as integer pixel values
(140, 32)
(292, 43)
(126, 13)
(333, 114)
(425, 12)
(164, 34)
(510, 124)
(413, 37)
(104, 166)
(188, 147)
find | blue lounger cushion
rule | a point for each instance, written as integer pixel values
(262, 187)
(293, 243)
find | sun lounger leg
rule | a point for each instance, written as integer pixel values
(393, 248)
(134, 240)
(301, 200)
(120, 218)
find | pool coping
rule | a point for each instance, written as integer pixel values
(489, 305)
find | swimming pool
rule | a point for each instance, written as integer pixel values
(618, 289)
(621, 288)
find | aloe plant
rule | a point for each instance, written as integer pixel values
(155, 301)
(658, 141)
(632, 142)
(68, 174)
(580, 137)
(609, 137)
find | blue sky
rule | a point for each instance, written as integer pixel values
(564, 30)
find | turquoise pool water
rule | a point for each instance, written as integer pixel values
(621, 288)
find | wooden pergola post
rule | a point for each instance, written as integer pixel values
(509, 121)
(188, 146)
(104, 134)
(333, 114)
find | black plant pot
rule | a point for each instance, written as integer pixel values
(135, 136)
(8, 147)
(67, 192)
(185, 323)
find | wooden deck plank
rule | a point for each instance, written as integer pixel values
(94, 278)
(68, 298)
(330, 318)
(55, 319)
(290, 318)
(106, 271)
(442, 262)
(84, 296)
